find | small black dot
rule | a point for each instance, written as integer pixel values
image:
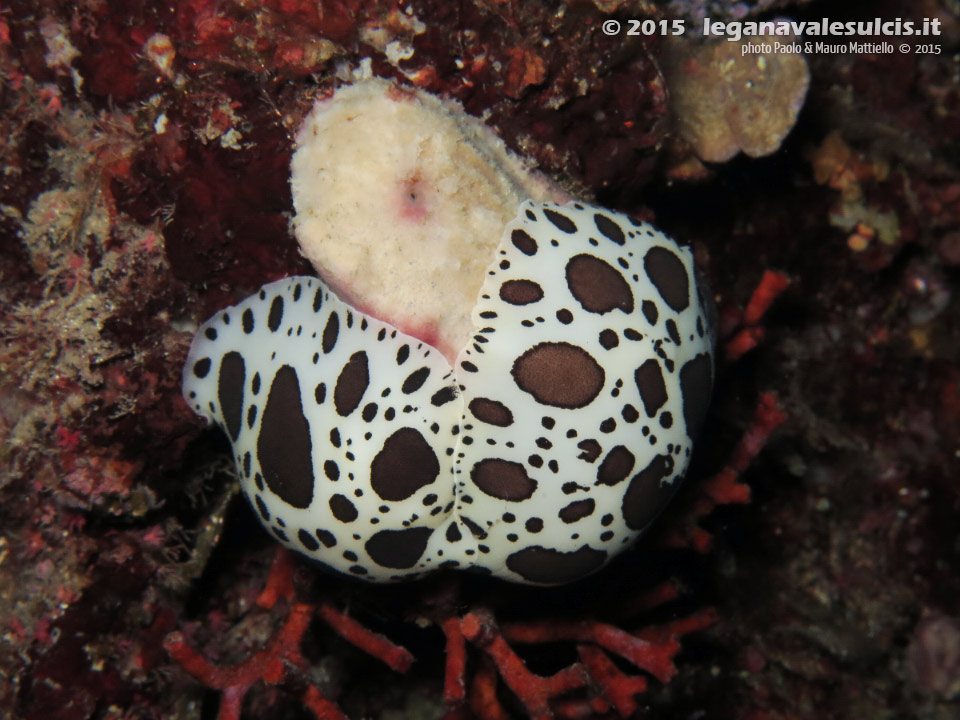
(306, 539)
(331, 470)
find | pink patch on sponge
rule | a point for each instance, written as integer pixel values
(412, 199)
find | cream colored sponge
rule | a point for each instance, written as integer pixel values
(401, 199)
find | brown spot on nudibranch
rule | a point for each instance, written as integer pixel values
(609, 228)
(475, 530)
(330, 332)
(653, 391)
(559, 374)
(597, 285)
(443, 396)
(351, 384)
(673, 332)
(415, 380)
(283, 445)
(608, 339)
(398, 549)
(307, 540)
(523, 242)
(503, 479)
(520, 292)
(230, 383)
(591, 450)
(615, 466)
(577, 510)
(649, 308)
(491, 412)
(343, 508)
(275, 316)
(405, 463)
(669, 276)
(646, 495)
(552, 567)
(560, 221)
(326, 537)
(201, 367)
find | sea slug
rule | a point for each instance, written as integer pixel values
(489, 375)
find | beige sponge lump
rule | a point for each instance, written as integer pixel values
(401, 199)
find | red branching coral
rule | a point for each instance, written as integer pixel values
(533, 691)
(595, 641)
(374, 644)
(282, 653)
(741, 330)
(606, 686)
(725, 487)
(268, 665)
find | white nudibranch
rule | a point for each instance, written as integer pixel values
(531, 432)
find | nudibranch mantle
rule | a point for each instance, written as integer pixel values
(552, 441)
